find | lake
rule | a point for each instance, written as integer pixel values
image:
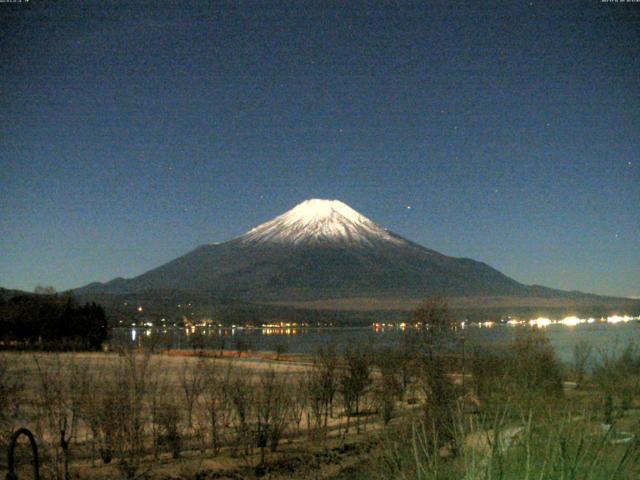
(607, 336)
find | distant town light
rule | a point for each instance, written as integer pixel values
(540, 322)
(618, 319)
(571, 321)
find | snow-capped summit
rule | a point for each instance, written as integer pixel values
(320, 221)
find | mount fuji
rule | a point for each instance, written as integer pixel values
(319, 249)
(323, 251)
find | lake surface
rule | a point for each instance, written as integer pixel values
(610, 337)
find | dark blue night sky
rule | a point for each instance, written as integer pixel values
(131, 132)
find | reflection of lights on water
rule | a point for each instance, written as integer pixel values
(133, 334)
(281, 331)
(148, 332)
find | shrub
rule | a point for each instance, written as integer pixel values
(524, 371)
(617, 379)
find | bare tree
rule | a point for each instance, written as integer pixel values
(581, 355)
(242, 345)
(355, 379)
(169, 421)
(240, 394)
(299, 400)
(407, 360)
(216, 401)
(389, 385)
(88, 394)
(191, 382)
(271, 405)
(158, 390)
(322, 386)
(317, 403)
(436, 326)
(128, 391)
(220, 342)
(280, 348)
(55, 383)
(98, 413)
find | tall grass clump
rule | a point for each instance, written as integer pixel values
(557, 446)
(526, 427)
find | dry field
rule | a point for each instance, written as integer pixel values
(110, 415)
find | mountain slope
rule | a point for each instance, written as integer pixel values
(321, 249)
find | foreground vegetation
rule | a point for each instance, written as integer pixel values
(524, 426)
(413, 412)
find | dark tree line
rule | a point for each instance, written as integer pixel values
(49, 321)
